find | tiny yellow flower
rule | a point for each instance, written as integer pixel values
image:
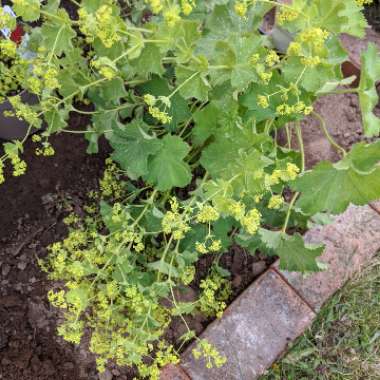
(215, 246)
(241, 8)
(251, 221)
(275, 202)
(262, 101)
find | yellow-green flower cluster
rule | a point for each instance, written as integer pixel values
(24, 111)
(236, 209)
(294, 48)
(288, 174)
(309, 45)
(105, 70)
(57, 299)
(241, 8)
(251, 221)
(263, 101)
(311, 61)
(19, 166)
(107, 26)
(254, 59)
(161, 116)
(207, 247)
(164, 356)
(187, 6)
(297, 108)
(50, 78)
(102, 24)
(8, 48)
(34, 84)
(171, 11)
(174, 222)
(6, 20)
(207, 214)
(155, 5)
(210, 353)
(275, 202)
(265, 76)
(272, 58)
(172, 15)
(215, 292)
(286, 15)
(47, 150)
(110, 185)
(187, 276)
(72, 330)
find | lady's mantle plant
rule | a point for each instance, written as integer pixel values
(191, 97)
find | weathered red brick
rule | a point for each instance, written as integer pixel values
(173, 372)
(254, 330)
(351, 241)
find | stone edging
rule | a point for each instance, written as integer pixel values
(258, 326)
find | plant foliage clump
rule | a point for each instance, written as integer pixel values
(191, 97)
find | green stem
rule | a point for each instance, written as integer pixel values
(296, 195)
(322, 125)
(83, 132)
(75, 3)
(169, 243)
(345, 91)
(288, 136)
(183, 84)
(149, 203)
(290, 208)
(301, 145)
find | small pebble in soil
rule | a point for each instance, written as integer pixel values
(5, 269)
(106, 375)
(258, 268)
(22, 265)
(236, 282)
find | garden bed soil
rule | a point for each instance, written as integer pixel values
(31, 211)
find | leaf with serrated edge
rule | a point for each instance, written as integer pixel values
(167, 168)
(332, 188)
(133, 147)
(293, 253)
(368, 97)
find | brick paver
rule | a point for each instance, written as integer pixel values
(173, 372)
(254, 330)
(351, 240)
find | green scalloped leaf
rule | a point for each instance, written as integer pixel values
(293, 253)
(167, 168)
(332, 187)
(28, 13)
(368, 96)
(57, 36)
(133, 147)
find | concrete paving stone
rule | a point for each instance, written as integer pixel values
(254, 331)
(173, 372)
(351, 241)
